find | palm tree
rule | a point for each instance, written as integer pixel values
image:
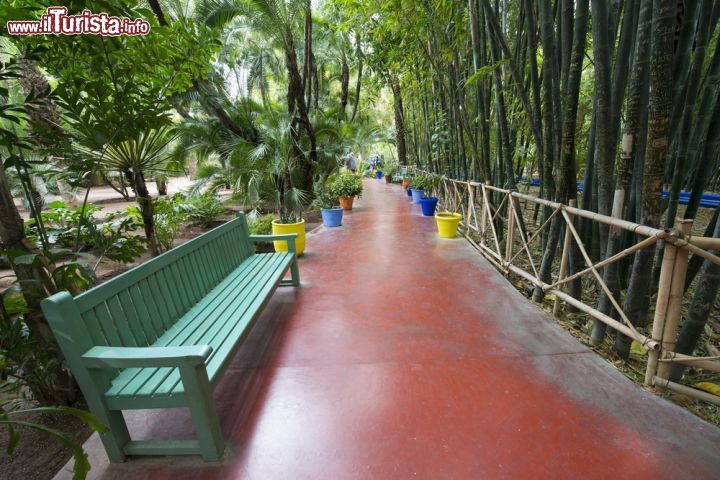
(149, 153)
(268, 173)
(277, 20)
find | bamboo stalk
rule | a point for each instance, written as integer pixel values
(483, 211)
(470, 209)
(597, 275)
(689, 391)
(484, 251)
(608, 220)
(708, 243)
(564, 260)
(526, 248)
(646, 342)
(677, 291)
(661, 304)
(697, 250)
(707, 363)
(627, 252)
(510, 232)
(492, 223)
(536, 233)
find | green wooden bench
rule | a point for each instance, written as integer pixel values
(161, 334)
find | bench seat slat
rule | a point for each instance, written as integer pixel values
(180, 333)
(224, 312)
(233, 304)
(234, 327)
(181, 330)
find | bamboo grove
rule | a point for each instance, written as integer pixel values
(607, 102)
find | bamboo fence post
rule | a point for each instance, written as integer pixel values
(470, 208)
(677, 290)
(510, 231)
(661, 305)
(483, 218)
(565, 258)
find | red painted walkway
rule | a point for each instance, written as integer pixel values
(406, 356)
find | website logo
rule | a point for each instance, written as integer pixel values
(56, 21)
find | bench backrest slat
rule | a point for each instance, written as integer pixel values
(137, 307)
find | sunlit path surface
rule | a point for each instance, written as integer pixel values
(406, 356)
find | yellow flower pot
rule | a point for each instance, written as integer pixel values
(447, 223)
(281, 228)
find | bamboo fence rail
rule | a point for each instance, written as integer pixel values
(499, 234)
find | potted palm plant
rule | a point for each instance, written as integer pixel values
(417, 188)
(327, 203)
(265, 176)
(429, 202)
(346, 188)
(390, 171)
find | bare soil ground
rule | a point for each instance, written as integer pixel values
(39, 456)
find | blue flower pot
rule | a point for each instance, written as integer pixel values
(408, 192)
(428, 205)
(332, 217)
(378, 174)
(417, 194)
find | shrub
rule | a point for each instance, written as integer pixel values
(346, 186)
(169, 213)
(428, 183)
(324, 199)
(261, 225)
(205, 209)
(77, 229)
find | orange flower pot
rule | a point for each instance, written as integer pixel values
(406, 182)
(346, 202)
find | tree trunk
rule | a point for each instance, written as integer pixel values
(399, 121)
(37, 283)
(605, 152)
(146, 210)
(344, 82)
(637, 299)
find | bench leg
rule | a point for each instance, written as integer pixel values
(295, 273)
(202, 410)
(117, 436)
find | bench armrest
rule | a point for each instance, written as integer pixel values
(288, 237)
(156, 357)
(272, 238)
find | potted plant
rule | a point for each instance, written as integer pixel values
(429, 202)
(273, 184)
(447, 223)
(417, 188)
(327, 203)
(346, 188)
(390, 171)
(406, 182)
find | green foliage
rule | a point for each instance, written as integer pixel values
(429, 183)
(169, 213)
(324, 199)
(81, 465)
(260, 225)
(391, 169)
(113, 238)
(346, 186)
(205, 210)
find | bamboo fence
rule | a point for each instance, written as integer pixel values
(498, 233)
